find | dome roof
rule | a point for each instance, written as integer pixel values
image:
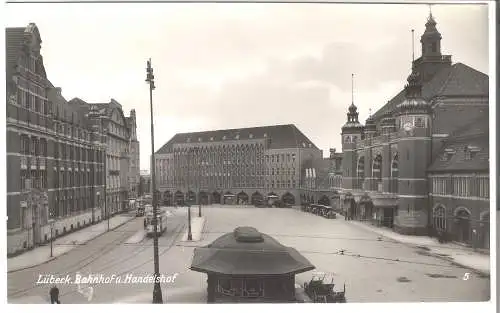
(246, 251)
(352, 108)
(413, 90)
(413, 103)
(352, 125)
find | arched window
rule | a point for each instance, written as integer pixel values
(439, 218)
(377, 168)
(361, 168)
(462, 227)
(395, 166)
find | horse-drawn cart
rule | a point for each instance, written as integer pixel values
(321, 292)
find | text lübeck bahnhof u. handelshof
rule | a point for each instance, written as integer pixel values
(124, 279)
(106, 279)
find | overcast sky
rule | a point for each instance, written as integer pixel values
(240, 65)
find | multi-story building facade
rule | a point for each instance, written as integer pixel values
(134, 153)
(420, 163)
(54, 155)
(235, 165)
(118, 144)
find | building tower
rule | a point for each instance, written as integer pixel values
(351, 133)
(370, 127)
(431, 39)
(432, 60)
(413, 158)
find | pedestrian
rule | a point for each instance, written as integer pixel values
(54, 295)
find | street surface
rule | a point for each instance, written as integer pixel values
(374, 269)
(111, 253)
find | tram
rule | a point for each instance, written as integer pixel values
(149, 224)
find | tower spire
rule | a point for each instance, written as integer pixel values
(412, 47)
(430, 10)
(352, 88)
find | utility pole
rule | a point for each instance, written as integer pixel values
(157, 295)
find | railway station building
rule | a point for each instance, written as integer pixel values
(420, 164)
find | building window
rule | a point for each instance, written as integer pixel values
(419, 122)
(34, 179)
(37, 104)
(439, 219)
(32, 64)
(27, 100)
(20, 95)
(24, 176)
(34, 146)
(43, 179)
(467, 153)
(24, 144)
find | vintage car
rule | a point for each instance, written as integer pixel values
(320, 292)
(261, 204)
(328, 212)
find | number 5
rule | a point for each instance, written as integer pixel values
(466, 276)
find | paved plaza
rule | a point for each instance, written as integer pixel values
(373, 267)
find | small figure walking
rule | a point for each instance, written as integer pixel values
(54, 295)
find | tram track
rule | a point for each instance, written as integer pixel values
(97, 254)
(136, 252)
(94, 256)
(169, 246)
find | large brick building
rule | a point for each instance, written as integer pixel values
(235, 165)
(420, 163)
(56, 150)
(119, 142)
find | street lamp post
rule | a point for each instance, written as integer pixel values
(157, 295)
(199, 179)
(94, 205)
(51, 221)
(105, 178)
(189, 236)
